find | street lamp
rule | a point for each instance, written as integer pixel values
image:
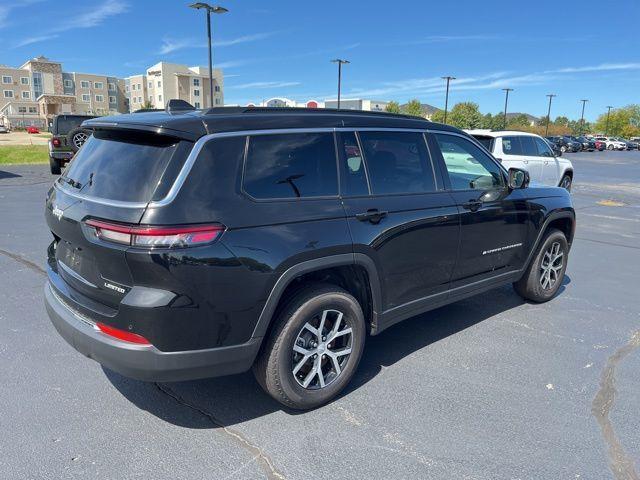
(506, 100)
(340, 62)
(446, 98)
(606, 130)
(584, 102)
(209, 9)
(546, 130)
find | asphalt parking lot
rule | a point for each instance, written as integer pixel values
(487, 388)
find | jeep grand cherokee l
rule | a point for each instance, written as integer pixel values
(190, 244)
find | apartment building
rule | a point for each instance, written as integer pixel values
(39, 89)
(164, 81)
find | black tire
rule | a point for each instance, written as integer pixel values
(566, 182)
(610, 147)
(274, 367)
(530, 286)
(55, 165)
(77, 137)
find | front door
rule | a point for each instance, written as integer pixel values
(550, 164)
(494, 220)
(398, 214)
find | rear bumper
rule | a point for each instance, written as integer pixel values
(145, 362)
(61, 155)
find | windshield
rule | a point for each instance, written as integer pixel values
(124, 167)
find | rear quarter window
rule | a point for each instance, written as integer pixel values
(291, 165)
(511, 146)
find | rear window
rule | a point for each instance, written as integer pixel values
(511, 146)
(487, 142)
(295, 165)
(65, 124)
(125, 167)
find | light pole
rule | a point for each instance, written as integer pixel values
(506, 100)
(209, 9)
(546, 130)
(584, 102)
(446, 98)
(606, 129)
(340, 62)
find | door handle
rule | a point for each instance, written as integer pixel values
(525, 161)
(546, 162)
(372, 215)
(472, 205)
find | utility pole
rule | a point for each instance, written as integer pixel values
(506, 100)
(606, 130)
(446, 98)
(546, 130)
(584, 101)
(340, 62)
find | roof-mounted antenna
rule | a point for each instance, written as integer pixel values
(178, 106)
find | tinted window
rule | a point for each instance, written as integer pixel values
(543, 148)
(291, 165)
(353, 170)
(397, 162)
(66, 124)
(468, 166)
(487, 142)
(511, 146)
(123, 167)
(529, 146)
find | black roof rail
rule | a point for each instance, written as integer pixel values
(311, 111)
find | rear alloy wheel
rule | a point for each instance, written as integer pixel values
(77, 137)
(563, 149)
(544, 276)
(610, 147)
(566, 183)
(314, 348)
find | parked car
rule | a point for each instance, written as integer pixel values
(529, 152)
(554, 148)
(612, 143)
(564, 144)
(194, 244)
(633, 144)
(629, 144)
(33, 129)
(600, 145)
(587, 144)
(67, 138)
(4, 129)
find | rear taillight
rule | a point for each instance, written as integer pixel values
(155, 236)
(122, 334)
(56, 142)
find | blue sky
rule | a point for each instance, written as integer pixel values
(398, 50)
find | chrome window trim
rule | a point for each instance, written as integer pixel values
(202, 141)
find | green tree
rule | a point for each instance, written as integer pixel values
(147, 104)
(414, 107)
(560, 121)
(520, 122)
(622, 121)
(392, 107)
(438, 116)
(465, 115)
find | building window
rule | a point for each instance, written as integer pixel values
(22, 109)
(196, 82)
(150, 84)
(26, 95)
(196, 93)
(24, 80)
(7, 79)
(196, 104)
(8, 94)
(99, 98)
(217, 88)
(159, 84)
(84, 84)
(86, 97)
(33, 110)
(68, 83)
(217, 101)
(98, 85)
(112, 99)
(112, 87)
(159, 98)
(126, 88)
(139, 99)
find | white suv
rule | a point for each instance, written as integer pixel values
(527, 151)
(612, 143)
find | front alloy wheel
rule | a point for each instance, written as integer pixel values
(551, 266)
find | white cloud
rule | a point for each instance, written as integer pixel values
(264, 85)
(8, 6)
(598, 68)
(170, 45)
(29, 40)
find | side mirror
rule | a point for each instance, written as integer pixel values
(518, 178)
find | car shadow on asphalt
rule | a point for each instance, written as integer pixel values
(4, 174)
(226, 401)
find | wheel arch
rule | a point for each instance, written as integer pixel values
(562, 219)
(355, 272)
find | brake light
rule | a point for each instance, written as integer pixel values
(56, 142)
(155, 236)
(122, 334)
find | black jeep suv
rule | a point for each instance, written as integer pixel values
(67, 138)
(193, 244)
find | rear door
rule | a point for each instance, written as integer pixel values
(112, 178)
(398, 213)
(494, 220)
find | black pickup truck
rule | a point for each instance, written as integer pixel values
(190, 243)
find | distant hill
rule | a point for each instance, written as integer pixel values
(530, 117)
(427, 109)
